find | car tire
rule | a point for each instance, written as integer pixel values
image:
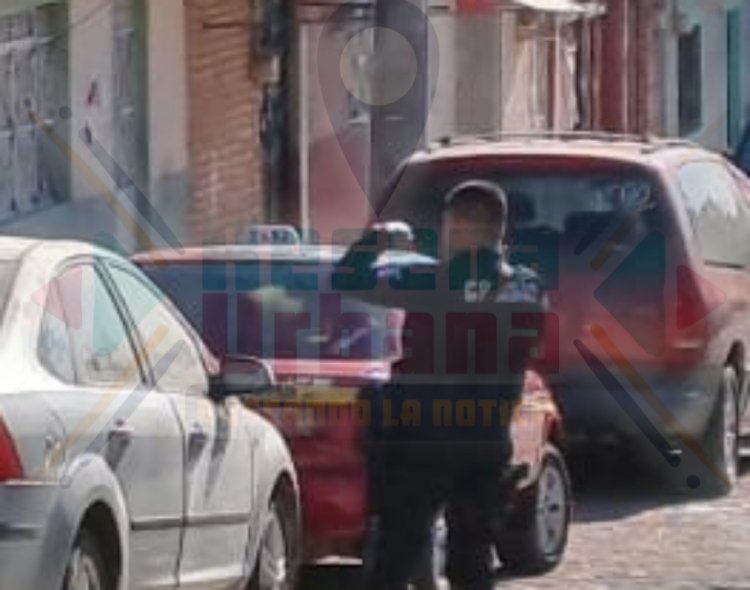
(86, 569)
(535, 535)
(277, 561)
(430, 571)
(721, 441)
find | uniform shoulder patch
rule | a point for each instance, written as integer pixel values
(388, 271)
(522, 285)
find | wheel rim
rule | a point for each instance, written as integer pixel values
(82, 572)
(551, 514)
(730, 436)
(439, 546)
(274, 573)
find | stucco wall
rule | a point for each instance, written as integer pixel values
(478, 57)
(441, 120)
(714, 131)
(339, 146)
(168, 119)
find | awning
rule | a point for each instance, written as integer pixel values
(573, 8)
(563, 6)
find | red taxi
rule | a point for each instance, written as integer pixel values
(275, 302)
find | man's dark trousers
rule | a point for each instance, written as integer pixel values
(411, 487)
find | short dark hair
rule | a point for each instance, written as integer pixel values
(479, 201)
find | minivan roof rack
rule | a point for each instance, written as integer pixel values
(575, 135)
(659, 143)
(651, 141)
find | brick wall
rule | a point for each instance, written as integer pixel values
(224, 100)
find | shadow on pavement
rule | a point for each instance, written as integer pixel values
(609, 484)
(331, 577)
(612, 484)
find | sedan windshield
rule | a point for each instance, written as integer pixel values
(276, 310)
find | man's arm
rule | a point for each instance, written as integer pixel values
(400, 280)
(355, 274)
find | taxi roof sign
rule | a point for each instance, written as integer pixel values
(272, 235)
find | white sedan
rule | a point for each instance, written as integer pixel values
(126, 457)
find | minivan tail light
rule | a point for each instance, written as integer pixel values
(695, 300)
(691, 305)
(10, 462)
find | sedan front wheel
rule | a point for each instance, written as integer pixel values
(718, 469)
(276, 564)
(86, 569)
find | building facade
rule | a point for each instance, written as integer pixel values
(365, 99)
(133, 123)
(144, 123)
(621, 68)
(705, 89)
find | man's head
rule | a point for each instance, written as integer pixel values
(474, 217)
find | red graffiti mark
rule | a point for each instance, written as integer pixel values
(93, 97)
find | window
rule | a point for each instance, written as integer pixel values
(558, 207)
(33, 79)
(102, 351)
(174, 359)
(719, 212)
(690, 83)
(55, 350)
(276, 309)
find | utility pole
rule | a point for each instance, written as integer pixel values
(397, 127)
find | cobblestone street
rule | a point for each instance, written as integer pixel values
(629, 533)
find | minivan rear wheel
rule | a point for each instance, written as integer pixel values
(721, 440)
(536, 533)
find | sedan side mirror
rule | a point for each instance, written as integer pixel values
(241, 375)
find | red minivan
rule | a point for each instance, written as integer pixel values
(276, 302)
(644, 249)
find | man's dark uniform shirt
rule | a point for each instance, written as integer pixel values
(470, 327)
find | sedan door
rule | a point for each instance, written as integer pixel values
(217, 442)
(100, 394)
(220, 493)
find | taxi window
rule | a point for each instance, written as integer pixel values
(276, 309)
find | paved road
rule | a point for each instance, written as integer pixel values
(629, 532)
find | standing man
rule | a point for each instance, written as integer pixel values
(441, 428)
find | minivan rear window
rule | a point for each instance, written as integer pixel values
(552, 208)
